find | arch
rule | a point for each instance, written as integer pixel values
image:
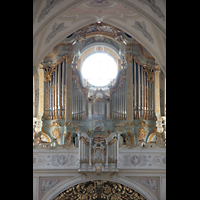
(155, 25)
(68, 183)
(54, 42)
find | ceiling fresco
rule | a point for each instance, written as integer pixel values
(144, 20)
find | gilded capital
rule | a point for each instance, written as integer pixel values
(69, 58)
(40, 66)
(129, 58)
(157, 67)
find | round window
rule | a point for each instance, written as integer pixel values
(99, 69)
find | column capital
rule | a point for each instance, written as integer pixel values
(157, 67)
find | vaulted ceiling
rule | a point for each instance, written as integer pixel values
(144, 20)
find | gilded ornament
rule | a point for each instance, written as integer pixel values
(69, 58)
(107, 134)
(141, 134)
(130, 138)
(149, 72)
(68, 138)
(112, 141)
(120, 128)
(56, 133)
(99, 190)
(129, 58)
(66, 123)
(55, 123)
(84, 141)
(143, 123)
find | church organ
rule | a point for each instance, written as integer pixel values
(55, 92)
(99, 120)
(111, 107)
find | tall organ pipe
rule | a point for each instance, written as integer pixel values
(139, 100)
(125, 98)
(72, 99)
(53, 95)
(122, 101)
(147, 100)
(144, 96)
(142, 103)
(122, 94)
(63, 107)
(56, 93)
(134, 89)
(59, 74)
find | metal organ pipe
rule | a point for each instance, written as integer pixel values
(125, 98)
(56, 105)
(53, 95)
(63, 107)
(59, 74)
(145, 95)
(142, 103)
(134, 89)
(139, 102)
(73, 99)
(121, 95)
(147, 100)
(153, 100)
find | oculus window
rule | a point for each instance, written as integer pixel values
(99, 69)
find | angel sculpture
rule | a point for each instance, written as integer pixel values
(151, 184)
(46, 185)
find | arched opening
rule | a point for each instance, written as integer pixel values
(99, 190)
(99, 69)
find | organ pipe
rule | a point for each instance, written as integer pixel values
(56, 104)
(147, 100)
(59, 74)
(54, 94)
(134, 89)
(63, 90)
(55, 97)
(138, 90)
(142, 93)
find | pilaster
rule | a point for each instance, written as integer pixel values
(41, 92)
(157, 99)
(129, 76)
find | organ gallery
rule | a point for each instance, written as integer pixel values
(99, 128)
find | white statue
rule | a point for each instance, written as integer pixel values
(46, 185)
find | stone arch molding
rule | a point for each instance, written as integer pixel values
(58, 188)
(141, 27)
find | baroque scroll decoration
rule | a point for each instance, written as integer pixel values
(99, 190)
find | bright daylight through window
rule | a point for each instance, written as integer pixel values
(99, 69)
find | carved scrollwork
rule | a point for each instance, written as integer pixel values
(99, 190)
